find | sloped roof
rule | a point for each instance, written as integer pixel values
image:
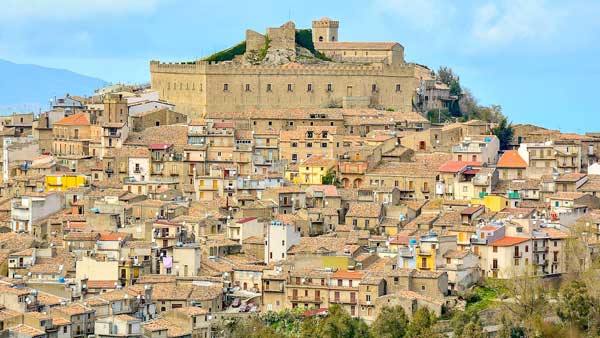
(511, 159)
(79, 119)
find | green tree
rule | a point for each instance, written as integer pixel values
(337, 324)
(473, 329)
(251, 327)
(391, 322)
(421, 324)
(329, 178)
(575, 305)
(504, 132)
(447, 76)
(526, 299)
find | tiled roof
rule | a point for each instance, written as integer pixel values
(318, 161)
(364, 209)
(511, 159)
(356, 45)
(456, 166)
(509, 241)
(78, 119)
(74, 309)
(346, 274)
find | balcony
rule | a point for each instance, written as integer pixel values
(306, 299)
(518, 255)
(19, 205)
(514, 195)
(540, 248)
(343, 301)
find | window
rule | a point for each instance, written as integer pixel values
(309, 134)
(294, 144)
(247, 87)
(374, 88)
(226, 87)
(309, 87)
(366, 224)
(397, 87)
(294, 157)
(448, 260)
(309, 145)
(270, 123)
(329, 87)
(268, 87)
(290, 87)
(495, 249)
(324, 145)
(355, 222)
(339, 283)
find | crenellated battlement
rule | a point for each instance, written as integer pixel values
(212, 67)
(331, 73)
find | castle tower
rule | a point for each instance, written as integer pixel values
(325, 30)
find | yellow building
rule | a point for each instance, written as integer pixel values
(63, 182)
(314, 169)
(492, 202)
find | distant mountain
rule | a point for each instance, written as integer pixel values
(30, 87)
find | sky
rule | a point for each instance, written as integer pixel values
(537, 59)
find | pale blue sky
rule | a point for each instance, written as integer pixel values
(538, 59)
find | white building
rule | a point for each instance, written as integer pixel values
(244, 228)
(27, 209)
(477, 148)
(139, 168)
(279, 238)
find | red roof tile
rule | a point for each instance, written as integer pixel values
(160, 146)
(78, 119)
(247, 219)
(456, 166)
(511, 159)
(345, 274)
(509, 241)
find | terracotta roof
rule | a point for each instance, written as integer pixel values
(364, 209)
(23, 329)
(570, 177)
(346, 274)
(78, 119)
(160, 324)
(509, 241)
(471, 210)
(511, 159)
(456, 166)
(318, 160)
(356, 45)
(101, 284)
(160, 146)
(74, 309)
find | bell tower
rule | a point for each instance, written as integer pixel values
(325, 30)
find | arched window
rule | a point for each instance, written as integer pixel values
(320, 39)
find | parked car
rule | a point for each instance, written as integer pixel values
(244, 308)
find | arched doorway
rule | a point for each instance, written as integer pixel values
(357, 183)
(345, 182)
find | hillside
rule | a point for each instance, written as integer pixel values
(28, 87)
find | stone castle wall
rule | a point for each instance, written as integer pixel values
(209, 87)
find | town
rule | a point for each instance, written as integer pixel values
(291, 172)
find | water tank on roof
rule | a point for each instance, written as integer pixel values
(61, 279)
(412, 241)
(487, 139)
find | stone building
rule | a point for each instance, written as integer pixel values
(282, 69)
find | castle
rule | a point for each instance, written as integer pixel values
(289, 67)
